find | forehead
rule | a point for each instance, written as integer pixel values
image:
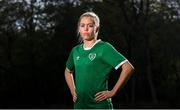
(87, 19)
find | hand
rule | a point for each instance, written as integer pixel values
(100, 96)
(74, 97)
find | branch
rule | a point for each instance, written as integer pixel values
(122, 6)
(147, 11)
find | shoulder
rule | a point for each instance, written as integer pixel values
(106, 45)
(77, 47)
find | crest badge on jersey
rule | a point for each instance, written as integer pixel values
(92, 56)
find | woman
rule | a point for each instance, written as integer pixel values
(92, 62)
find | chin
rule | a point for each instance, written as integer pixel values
(88, 38)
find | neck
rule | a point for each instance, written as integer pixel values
(89, 44)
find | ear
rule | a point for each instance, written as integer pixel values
(78, 30)
(97, 29)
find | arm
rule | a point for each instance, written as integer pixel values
(70, 82)
(127, 70)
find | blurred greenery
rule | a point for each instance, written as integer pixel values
(36, 37)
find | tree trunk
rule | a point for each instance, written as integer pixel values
(149, 72)
(133, 80)
(129, 44)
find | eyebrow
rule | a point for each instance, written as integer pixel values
(88, 23)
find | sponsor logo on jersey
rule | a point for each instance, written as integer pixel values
(92, 56)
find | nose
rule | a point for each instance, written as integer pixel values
(86, 28)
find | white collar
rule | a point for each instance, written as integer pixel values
(92, 45)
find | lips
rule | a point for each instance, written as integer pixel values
(86, 33)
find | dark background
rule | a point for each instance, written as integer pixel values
(36, 37)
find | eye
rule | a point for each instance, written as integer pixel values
(82, 25)
(91, 25)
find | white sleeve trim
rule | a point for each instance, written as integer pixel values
(121, 64)
(69, 70)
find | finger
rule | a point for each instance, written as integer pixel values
(74, 98)
(99, 93)
(100, 97)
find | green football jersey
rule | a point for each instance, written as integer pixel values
(92, 67)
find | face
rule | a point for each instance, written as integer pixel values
(87, 28)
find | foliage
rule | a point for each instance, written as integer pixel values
(36, 37)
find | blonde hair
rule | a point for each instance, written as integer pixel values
(90, 14)
(95, 19)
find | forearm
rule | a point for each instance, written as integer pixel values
(70, 81)
(127, 70)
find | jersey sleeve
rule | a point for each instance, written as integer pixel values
(70, 62)
(112, 56)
